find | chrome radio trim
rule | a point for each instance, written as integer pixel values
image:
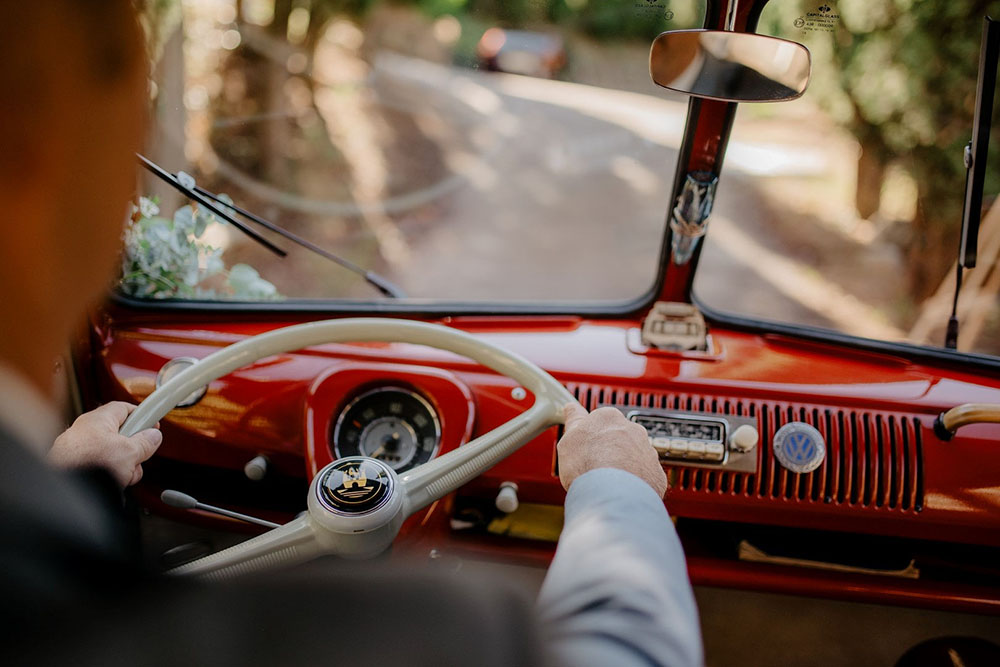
(733, 460)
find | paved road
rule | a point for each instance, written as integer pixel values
(567, 199)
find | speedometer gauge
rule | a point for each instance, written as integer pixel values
(390, 424)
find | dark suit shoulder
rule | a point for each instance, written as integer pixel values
(60, 544)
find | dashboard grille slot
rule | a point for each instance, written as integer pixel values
(874, 459)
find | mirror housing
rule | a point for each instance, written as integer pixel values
(730, 66)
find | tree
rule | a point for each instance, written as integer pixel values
(905, 87)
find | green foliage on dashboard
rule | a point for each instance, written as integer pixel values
(169, 258)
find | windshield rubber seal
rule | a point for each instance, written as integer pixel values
(414, 307)
(909, 351)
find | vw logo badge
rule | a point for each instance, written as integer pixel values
(799, 447)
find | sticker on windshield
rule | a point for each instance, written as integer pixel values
(822, 19)
(654, 7)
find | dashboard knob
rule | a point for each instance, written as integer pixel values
(744, 438)
(506, 500)
(256, 468)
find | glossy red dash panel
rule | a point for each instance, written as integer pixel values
(886, 472)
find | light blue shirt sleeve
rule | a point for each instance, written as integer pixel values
(617, 592)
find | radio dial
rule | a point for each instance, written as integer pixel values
(744, 438)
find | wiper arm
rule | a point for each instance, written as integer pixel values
(975, 167)
(174, 181)
(375, 280)
(185, 184)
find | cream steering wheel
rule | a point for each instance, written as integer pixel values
(357, 504)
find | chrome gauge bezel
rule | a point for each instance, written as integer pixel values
(435, 420)
(167, 371)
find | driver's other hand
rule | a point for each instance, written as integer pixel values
(606, 439)
(93, 440)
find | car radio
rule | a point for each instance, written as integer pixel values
(696, 439)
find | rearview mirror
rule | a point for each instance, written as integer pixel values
(730, 66)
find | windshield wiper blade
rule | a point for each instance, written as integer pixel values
(976, 153)
(174, 181)
(186, 184)
(377, 281)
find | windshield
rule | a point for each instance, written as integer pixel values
(842, 209)
(485, 151)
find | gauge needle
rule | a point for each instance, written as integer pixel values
(391, 440)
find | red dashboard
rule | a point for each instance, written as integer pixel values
(893, 514)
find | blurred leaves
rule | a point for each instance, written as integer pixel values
(901, 76)
(159, 18)
(165, 258)
(601, 19)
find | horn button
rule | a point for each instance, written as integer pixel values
(355, 485)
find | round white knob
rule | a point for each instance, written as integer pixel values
(744, 438)
(256, 468)
(507, 498)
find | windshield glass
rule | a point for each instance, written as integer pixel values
(462, 149)
(842, 209)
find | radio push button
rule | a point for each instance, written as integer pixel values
(696, 449)
(661, 445)
(715, 451)
(678, 447)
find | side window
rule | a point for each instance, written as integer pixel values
(842, 209)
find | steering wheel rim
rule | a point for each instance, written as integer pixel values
(324, 528)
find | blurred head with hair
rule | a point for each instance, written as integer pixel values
(73, 79)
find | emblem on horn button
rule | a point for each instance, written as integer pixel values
(355, 485)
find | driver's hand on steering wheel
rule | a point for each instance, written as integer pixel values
(606, 439)
(93, 440)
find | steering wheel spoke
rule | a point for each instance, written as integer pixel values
(447, 473)
(295, 542)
